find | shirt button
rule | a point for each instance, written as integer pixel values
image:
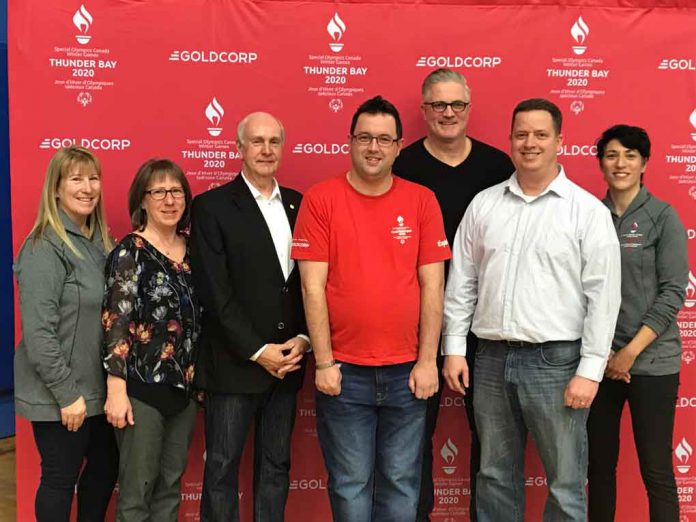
(281, 326)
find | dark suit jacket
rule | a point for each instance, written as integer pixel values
(246, 301)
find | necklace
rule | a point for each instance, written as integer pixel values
(160, 245)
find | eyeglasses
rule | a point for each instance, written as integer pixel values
(160, 194)
(364, 139)
(440, 106)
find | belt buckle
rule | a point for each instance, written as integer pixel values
(516, 344)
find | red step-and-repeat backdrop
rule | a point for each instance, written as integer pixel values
(167, 78)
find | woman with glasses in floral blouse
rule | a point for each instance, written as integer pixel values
(151, 320)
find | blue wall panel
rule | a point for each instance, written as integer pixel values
(6, 296)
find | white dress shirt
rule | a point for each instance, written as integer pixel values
(536, 269)
(279, 227)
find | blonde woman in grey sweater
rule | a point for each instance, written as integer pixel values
(59, 380)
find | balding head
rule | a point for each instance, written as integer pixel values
(255, 118)
(260, 138)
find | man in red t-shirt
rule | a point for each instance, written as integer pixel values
(371, 249)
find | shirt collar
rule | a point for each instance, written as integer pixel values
(72, 228)
(257, 195)
(640, 198)
(559, 186)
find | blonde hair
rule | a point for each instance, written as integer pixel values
(60, 165)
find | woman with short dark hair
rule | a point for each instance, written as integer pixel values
(59, 380)
(151, 320)
(643, 367)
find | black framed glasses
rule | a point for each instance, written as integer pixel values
(159, 194)
(365, 139)
(441, 106)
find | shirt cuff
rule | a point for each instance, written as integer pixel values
(258, 354)
(306, 338)
(453, 345)
(591, 368)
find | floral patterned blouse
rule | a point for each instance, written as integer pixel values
(150, 315)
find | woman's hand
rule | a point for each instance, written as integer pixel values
(73, 416)
(118, 409)
(620, 364)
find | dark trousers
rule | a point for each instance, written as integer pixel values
(426, 501)
(652, 400)
(227, 421)
(63, 453)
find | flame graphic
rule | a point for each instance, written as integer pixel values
(579, 31)
(691, 291)
(692, 119)
(449, 451)
(214, 112)
(683, 451)
(82, 19)
(336, 27)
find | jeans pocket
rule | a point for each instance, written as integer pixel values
(560, 354)
(481, 346)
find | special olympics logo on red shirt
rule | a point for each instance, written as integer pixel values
(401, 232)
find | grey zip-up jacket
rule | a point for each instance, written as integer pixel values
(654, 275)
(60, 297)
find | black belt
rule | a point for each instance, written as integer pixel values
(521, 344)
(527, 344)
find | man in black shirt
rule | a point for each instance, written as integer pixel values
(455, 167)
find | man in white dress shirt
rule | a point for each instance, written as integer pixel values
(536, 275)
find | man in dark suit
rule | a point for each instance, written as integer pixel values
(252, 341)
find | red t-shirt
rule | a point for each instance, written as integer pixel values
(373, 245)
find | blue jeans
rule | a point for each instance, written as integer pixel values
(371, 436)
(519, 390)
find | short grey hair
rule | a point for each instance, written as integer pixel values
(441, 76)
(242, 124)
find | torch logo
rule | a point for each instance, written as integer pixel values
(690, 300)
(579, 32)
(683, 452)
(449, 452)
(214, 112)
(83, 21)
(336, 29)
(692, 121)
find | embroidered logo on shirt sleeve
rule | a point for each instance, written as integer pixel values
(300, 243)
